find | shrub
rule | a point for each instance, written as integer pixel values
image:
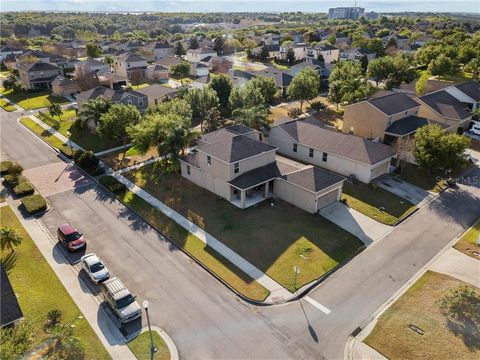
(112, 184)
(96, 172)
(86, 160)
(10, 180)
(67, 151)
(317, 105)
(23, 188)
(294, 112)
(34, 204)
(4, 166)
(15, 169)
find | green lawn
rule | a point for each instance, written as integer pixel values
(369, 200)
(33, 100)
(468, 242)
(5, 105)
(140, 347)
(393, 337)
(39, 290)
(140, 86)
(419, 177)
(457, 77)
(274, 239)
(207, 256)
(44, 134)
(82, 137)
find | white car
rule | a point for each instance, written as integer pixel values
(94, 267)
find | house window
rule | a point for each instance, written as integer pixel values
(140, 102)
(188, 169)
(310, 152)
(294, 147)
(209, 160)
(129, 101)
(324, 157)
(236, 168)
(128, 64)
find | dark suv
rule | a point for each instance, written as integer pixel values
(70, 238)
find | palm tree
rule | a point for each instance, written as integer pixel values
(9, 237)
(256, 117)
(92, 110)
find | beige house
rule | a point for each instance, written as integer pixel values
(155, 93)
(62, 86)
(370, 118)
(38, 76)
(200, 54)
(308, 141)
(130, 65)
(234, 164)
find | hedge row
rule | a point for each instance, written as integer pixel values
(4, 166)
(34, 204)
(23, 188)
(112, 184)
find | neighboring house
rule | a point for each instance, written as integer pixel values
(159, 50)
(282, 78)
(271, 39)
(370, 118)
(310, 63)
(197, 55)
(329, 53)
(62, 86)
(127, 97)
(442, 107)
(156, 93)
(71, 48)
(200, 82)
(156, 72)
(168, 61)
(234, 164)
(130, 65)
(9, 50)
(112, 80)
(300, 51)
(308, 141)
(38, 76)
(467, 93)
(91, 66)
(10, 313)
(273, 51)
(199, 69)
(240, 77)
(402, 42)
(356, 55)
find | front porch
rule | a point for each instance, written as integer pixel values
(249, 197)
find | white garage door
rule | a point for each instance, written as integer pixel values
(327, 199)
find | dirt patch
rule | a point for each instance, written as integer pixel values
(114, 159)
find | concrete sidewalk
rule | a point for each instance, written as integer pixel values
(277, 291)
(101, 324)
(458, 265)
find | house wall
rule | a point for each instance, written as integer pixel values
(122, 67)
(365, 119)
(27, 76)
(203, 71)
(162, 52)
(427, 112)
(335, 163)
(194, 57)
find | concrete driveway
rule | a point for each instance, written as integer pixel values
(410, 192)
(363, 227)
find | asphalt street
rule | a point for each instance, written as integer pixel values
(201, 315)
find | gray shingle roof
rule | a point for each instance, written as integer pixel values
(256, 176)
(226, 133)
(38, 66)
(235, 148)
(406, 125)
(471, 89)
(310, 132)
(393, 103)
(156, 91)
(10, 309)
(107, 93)
(313, 178)
(446, 105)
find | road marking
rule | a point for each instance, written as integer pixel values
(317, 305)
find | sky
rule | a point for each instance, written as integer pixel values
(470, 6)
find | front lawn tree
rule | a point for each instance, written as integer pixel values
(92, 110)
(93, 50)
(255, 117)
(335, 92)
(222, 85)
(290, 56)
(304, 86)
(179, 50)
(115, 124)
(193, 44)
(379, 69)
(434, 148)
(462, 302)
(266, 86)
(264, 52)
(201, 101)
(181, 69)
(55, 110)
(9, 238)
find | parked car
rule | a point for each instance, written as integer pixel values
(95, 268)
(475, 128)
(72, 239)
(123, 304)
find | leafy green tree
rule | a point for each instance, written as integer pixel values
(442, 65)
(67, 345)
(181, 69)
(462, 302)
(109, 60)
(222, 85)
(332, 39)
(335, 92)
(304, 86)
(15, 341)
(347, 83)
(9, 237)
(421, 84)
(434, 148)
(177, 106)
(364, 63)
(179, 50)
(255, 117)
(219, 45)
(115, 123)
(92, 110)
(290, 56)
(213, 120)
(93, 50)
(246, 97)
(379, 69)
(10, 83)
(201, 101)
(266, 85)
(55, 110)
(193, 44)
(264, 53)
(473, 67)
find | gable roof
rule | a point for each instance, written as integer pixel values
(38, 66)
(282, 78)
(10, 309)
(130, 57)
(226, 133)
(107, 93)
(393, 103)
(313, 178)
(168, 61)
(202, 50)
(471, 89)
(235, 148)
(310, 132)
(156, 91)
(446, 105)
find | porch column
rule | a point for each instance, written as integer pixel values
(267, 184)
(242, 199)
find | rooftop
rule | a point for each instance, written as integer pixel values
(313, 178)
(446, 105)
(393, 103)
(10, 309)
(471, 89)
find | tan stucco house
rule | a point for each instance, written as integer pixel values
(309, 141)
(236, 165)
(38, 76)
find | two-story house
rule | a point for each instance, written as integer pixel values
(127, 97)
(38, 75)
(282, 78)
(327, 52)
(158, 50)
(9, 50)
(130, 65)
(91, 66)
(200, 54)
(356, 55)
(309, 141)
(234, 164)
(300, 51)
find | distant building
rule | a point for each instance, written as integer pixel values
(345, 13)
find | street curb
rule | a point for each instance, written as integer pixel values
(172, 348)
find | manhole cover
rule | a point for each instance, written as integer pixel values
(416, 329)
